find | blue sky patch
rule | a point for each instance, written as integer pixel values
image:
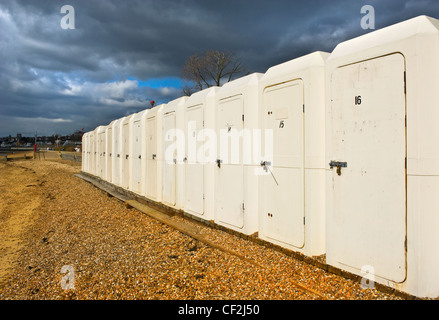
(156, 83)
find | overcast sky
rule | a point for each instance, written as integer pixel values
(124, 53)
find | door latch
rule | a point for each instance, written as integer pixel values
(339, 165)
(218, 162)
(266, 165)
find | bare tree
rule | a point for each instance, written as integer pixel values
(214, 68)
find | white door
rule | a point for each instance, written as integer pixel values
(85, 147)
(116, 156)
(109, 154)
(92, 155)
(194, 173)
(169, 164)
(283, 195)
(137, 157)
(369, 138)
(125, 156)
(229, 198)
(102, 155)
(151, 158)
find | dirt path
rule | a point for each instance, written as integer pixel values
(18, 199)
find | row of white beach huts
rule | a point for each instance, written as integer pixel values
(330, 153)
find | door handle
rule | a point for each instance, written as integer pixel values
(266, 165)
(339, 165)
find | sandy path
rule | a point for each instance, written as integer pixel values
(18, 199)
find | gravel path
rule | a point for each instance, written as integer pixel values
(120, 253)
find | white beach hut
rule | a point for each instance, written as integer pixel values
(100, 152)
(292, 194)
(126, 152)
(200, 154)
(138, 148)
(237, 171)
(152, 181)
(383, 156)
(109, 152)
(173, 144)
(85, 152)
(116, 152)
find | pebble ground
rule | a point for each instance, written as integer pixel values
(120, 253)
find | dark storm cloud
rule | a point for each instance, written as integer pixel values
(56, 80)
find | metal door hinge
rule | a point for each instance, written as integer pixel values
(405, 82)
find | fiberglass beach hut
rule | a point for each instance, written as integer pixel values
(236, 170)
(126, 152)
(109, 152)
(200, 147)
(138, 150)
(292, 190)
(173, 153)
(153, 136)
(92, 158)
(85, 152)
(100, 152)
(116, 154)
(383, 156)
